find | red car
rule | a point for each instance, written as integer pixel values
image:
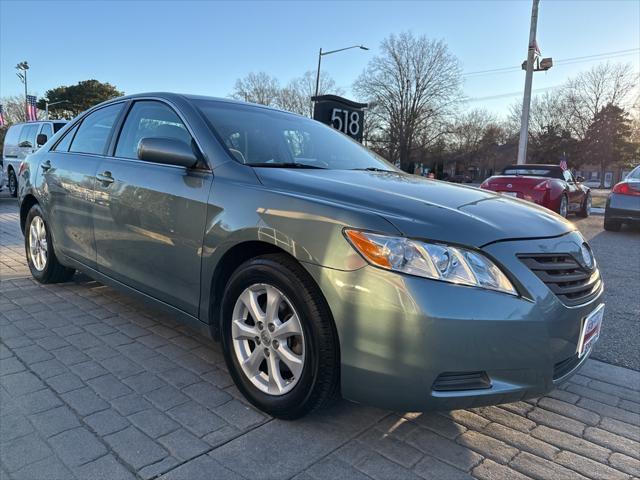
(546, 185)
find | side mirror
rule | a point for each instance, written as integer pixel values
(168, 151)
(579, 179)
(41, 139)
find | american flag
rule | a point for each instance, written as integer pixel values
(563, 164)
(3, 122)
(32, 110)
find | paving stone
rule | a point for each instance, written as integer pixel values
(380, 468)
(431, 468)
(572, 443)
(183, 445)
(589, 468)
(135, 448)
(65, 382)
(144, 382)
(47, 469)
(70, 355)
(617, 390)
(201, 468)
(554, 420)
(109, 387)
(620, 428)
(239, 414)
(563, 395)
(506, 418)
(155, 469)
(444, 449)
(52, 342)
(352, 452)
(631, 406)
(167, 397)
(48, 368)
(130, 404)
(11, 365)
(196, 418)
(490, 470)
(104, 468)
(83, 340)
(401, 427)
(21, 383)
(439, 424)
(395, 450)
(106, 422)
(594, 394)
(153, 422)
(179, 377)
(487, 446)
(32, 354)
(222, 435)
(542, 469)
(333, 469)
(39, 401)
(468, 419)
(84, 401)
(609, 411)
(220, 378)
(612, 374)
(101, 353)
(569, 410)
(613, 442)
(121, 367)
(24, 451)
(77, 446)
(521, 441)
(88, 370)
(625, 464)
(13, 425)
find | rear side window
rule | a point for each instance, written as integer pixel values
(94, 131)
(12, 135)
(149, 119)
(28, 134)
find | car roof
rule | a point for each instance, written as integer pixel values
(35, 122)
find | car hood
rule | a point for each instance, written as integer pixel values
(423, 208)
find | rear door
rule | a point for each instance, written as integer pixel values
(149, 218)
(69, 175)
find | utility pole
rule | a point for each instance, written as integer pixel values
(526, 103)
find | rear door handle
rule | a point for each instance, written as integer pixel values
(105, 178)
(46, 165)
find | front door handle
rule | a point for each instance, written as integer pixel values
(46, 165)
(105, 178)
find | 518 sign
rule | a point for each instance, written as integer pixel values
(347, 121)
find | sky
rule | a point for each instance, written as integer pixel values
(204, 46)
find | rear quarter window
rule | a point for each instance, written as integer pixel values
(12, 135)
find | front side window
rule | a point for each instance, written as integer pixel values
(28, 136)
(94, 131)
(149, 119)
(63, 145)
(567, 176)
(267, 138)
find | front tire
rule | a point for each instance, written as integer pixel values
(563, 209)
(12, 183)
(278, 337)
(42, 260)
(612, 225)
(585, 209)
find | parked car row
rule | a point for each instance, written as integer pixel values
(23, 139)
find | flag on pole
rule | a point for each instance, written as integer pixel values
(3, 122)
(32, 110)
(563, 164)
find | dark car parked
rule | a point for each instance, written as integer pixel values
(623, 203)
(321, 267)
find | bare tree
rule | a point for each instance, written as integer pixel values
(257, 88)
(14, 109)
(414, 82)
(296, 96)
(604, 84)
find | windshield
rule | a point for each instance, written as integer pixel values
(267, 138)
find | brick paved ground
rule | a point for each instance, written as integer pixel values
(95, 385)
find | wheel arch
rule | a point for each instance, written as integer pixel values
(27, 202)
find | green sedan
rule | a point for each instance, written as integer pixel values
(322, 269)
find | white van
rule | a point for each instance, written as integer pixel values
(22, 140)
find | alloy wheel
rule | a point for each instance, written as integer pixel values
(38, 248)
(563, 206)
(13, 184)
(268, 339)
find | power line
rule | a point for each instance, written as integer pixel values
(505, 95)
(566, 61)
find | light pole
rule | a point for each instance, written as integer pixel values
(47, 105)
(22, 75)
(322, 54)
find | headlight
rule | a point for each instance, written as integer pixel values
(430, 260)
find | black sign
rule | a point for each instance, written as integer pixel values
(341, 114)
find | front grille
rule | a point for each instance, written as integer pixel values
(572, 283)
(454, 381)
(560, 369)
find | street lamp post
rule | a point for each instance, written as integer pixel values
(22, 75)
(47, 105)
(322, 54)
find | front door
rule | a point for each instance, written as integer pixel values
(149, 218)
(68, 178)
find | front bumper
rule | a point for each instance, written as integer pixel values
(398, 333)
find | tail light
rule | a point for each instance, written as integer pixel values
(624, 188)
(544, 185)
(485, 184)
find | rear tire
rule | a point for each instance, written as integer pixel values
(286, 395)
(563, 209)
(12, 183)
(585, 209)
(41, 257)
(612, 225)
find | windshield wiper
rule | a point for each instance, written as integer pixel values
(373, 169)
(285, 165)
